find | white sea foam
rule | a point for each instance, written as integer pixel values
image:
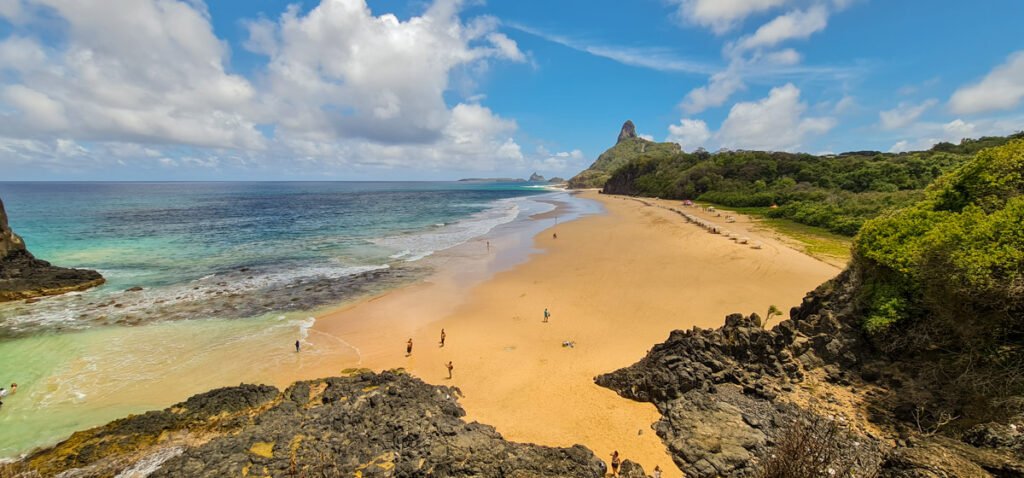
(416, 246)
(66, 310)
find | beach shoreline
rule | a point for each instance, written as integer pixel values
(611, 299)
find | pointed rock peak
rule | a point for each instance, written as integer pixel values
(9, 241)
(628, 131)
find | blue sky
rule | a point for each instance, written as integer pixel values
(389, 89)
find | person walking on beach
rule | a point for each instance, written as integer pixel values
(297, 345)
(450, 367)
(615, 463)
(442, 337)
(657, 471)
(408, 348)
(546, 314)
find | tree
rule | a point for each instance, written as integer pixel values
(772, 310)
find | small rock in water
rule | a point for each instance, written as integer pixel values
(134, 289)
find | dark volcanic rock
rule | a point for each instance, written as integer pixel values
(721, 396)
(628, 131)
(387, 424)
(22, 276)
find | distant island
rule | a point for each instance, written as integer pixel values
(534, 178)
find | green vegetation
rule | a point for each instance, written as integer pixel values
(947, 273)
(629, 149)
(835, 192)
(815, 241)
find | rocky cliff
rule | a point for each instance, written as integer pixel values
(364, 425)
(745, 401)
(627, 147)
(23, 276)
(627, 132)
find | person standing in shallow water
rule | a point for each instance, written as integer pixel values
(442, 337)
(408, 348)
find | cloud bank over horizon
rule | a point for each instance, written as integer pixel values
(337, 90)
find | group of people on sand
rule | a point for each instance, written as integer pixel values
(4, 392)
(444, 335)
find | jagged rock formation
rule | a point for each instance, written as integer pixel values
(536, 178)
(9, 241)
(729, 396)
(628, 131)
(23, 276)
(556, 180)
(628, 147)
(369, 425)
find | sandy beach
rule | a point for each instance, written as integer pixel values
(615, 283)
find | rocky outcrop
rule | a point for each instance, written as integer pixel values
(536, 178)
(22, 276)
(628, 147)
(369, 425)
(628, 131)
(9, 241)
(730, 399)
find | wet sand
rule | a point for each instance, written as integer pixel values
(615, 284)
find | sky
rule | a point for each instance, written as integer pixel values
(158, 90)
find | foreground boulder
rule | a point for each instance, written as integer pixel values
(368, 425)
(22, 276)
(743, 401)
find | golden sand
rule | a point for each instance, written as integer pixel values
(615, 284)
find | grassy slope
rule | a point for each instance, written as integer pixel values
(815, 241)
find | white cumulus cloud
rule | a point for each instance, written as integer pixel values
(1001, 89)
(152, 72)
(774, 123)
(904, 114)
(689, 133)
(722, 15)
(342, 87)
(795, 24)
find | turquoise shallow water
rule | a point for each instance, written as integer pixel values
(230, 271)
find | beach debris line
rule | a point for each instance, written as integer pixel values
(708, 225)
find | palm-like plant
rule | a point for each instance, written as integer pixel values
(772, 310)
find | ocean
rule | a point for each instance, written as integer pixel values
(229, 272)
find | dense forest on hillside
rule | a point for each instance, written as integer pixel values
(943, 278)
(837, 192)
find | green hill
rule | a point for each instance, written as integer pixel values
(836, 192)
(629, 147)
